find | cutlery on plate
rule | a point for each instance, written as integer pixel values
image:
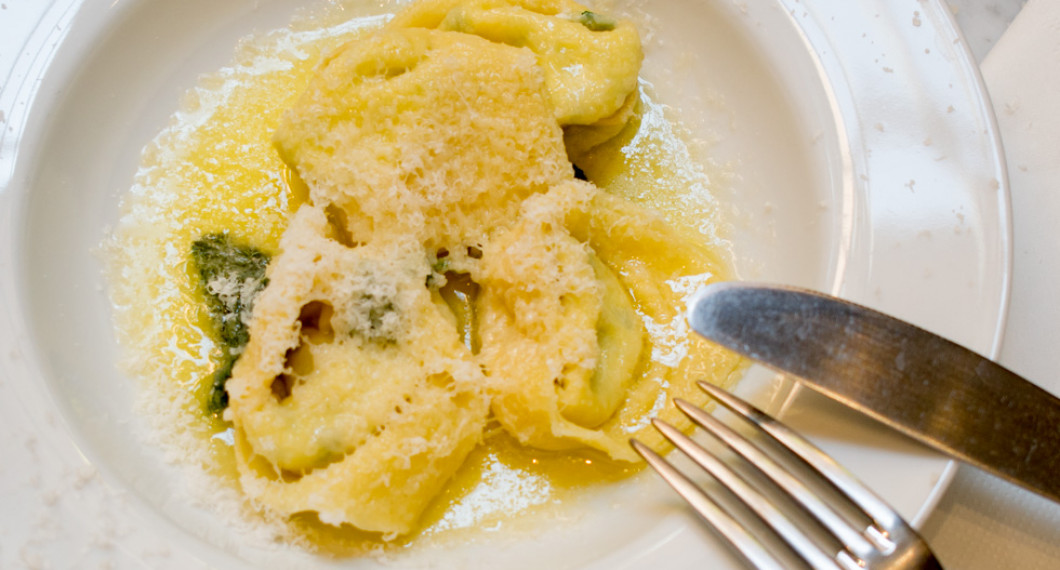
(919, 383)
(849, 526)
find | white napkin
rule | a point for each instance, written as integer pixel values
(982, 522)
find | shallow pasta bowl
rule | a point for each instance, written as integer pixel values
(863, 160)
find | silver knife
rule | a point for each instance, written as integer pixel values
(919, 383)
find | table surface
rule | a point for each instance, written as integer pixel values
(981, 522)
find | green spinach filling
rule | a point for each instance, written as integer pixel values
(232, 275)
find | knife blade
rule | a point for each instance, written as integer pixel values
(925, 386)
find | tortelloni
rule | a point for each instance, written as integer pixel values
(448, 273)
(561, 340)
(590, 62)
(435, 135)
(355, 397)
(581, 322)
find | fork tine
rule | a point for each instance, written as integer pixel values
(845, 535)
(706, 507)
(884, 517)
(879, 537)
(784, 528)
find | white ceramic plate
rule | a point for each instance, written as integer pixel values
(867, 165)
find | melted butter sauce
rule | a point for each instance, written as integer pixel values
(214, 169)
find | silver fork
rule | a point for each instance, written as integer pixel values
(806, 509)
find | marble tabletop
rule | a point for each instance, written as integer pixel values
(981, 522)
(983, 22)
